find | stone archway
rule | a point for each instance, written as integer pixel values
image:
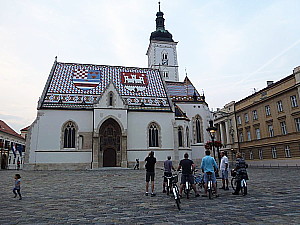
(110, 143)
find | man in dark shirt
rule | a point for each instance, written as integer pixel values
(150, 172)
(168, 166)
(188, 167)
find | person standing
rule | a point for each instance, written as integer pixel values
(137, 164)
(241, 172)
(224, 167)
(150, 172)
(168, 166)
(17, 188)
(188, 167)
(209, 165)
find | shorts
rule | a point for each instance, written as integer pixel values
(224, 174)
(187, 177)
(167, 174)
(213, 177)
(150, 175)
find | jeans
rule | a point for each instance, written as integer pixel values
(15, 190)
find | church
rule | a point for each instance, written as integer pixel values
(91, 116)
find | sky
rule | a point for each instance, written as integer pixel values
(228, 48)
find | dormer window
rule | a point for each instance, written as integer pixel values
(165, 74)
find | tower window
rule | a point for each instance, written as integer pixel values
(111, 97)
(165, 74)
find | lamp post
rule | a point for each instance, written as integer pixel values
(212, 131)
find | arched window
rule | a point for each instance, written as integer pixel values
(198, 130)
(69, 135)
(110, 99)
(187, 137)
(153, 135)
(180, 137)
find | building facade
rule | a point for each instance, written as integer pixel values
(92, 116)
(268, 123)
(12, 147)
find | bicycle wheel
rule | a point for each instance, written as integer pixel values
(168, 190)
(233, 183)
(178, 203)
(243, 187)
(209, 193)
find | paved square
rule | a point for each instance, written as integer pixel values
(117, 197)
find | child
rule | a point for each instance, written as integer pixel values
(137, 164)
(17, 187)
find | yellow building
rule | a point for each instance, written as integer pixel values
(268, 123)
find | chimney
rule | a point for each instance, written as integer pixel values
(269, 82)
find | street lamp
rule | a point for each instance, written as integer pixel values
(212, 131)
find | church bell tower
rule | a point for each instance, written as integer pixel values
(162, 54)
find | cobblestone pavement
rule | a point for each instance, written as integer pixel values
(117, 197)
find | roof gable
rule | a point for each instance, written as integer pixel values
(8, 130)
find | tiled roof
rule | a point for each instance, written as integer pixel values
(137, 86)
(8, 130)
(183, 91)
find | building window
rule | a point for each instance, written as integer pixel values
(153, 135)
(294, 101)
(274, 152)
(239, 120)
(268, 110)
(187, 137)
(257, 131)
(111, 98)
(297, 123)
(246, 118)
(251, 155)
(271, 130)
(255, 116)
(198, 130)
(241, 137)
(283, 127)
(248, 135)
(279, 106)
(165, 74)
(287, 151)
(260, 154)
(69, 135)
(180, 137)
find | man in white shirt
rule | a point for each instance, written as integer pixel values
(224, 167)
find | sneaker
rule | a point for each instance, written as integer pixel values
(234, 193)
(15, 196)
(222, 188)
(20, 198)
(197, 195)
(164, 191)
(153, 194)
(146, 193)
(227, 189)
(204, 195)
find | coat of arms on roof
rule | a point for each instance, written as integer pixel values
(86, 79)
(134, 81)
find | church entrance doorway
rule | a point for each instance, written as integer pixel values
(110, 143)
(109, 157)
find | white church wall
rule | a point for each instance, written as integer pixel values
(137, 139)
(46, 132)
(64, 157)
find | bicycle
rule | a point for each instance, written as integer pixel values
(187, 187)
(209, 184)
(234, 181)
(199, 182)
(175, 190)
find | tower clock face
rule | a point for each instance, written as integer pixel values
(165, 62)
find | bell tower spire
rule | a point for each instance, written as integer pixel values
(162, 53)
